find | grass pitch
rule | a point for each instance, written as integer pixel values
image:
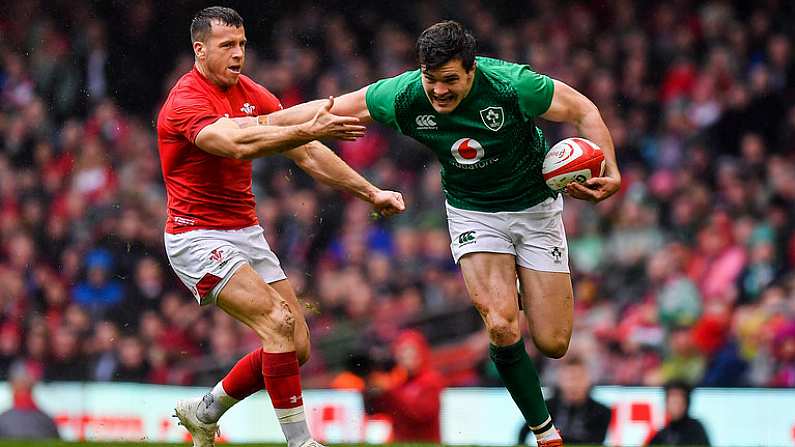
(25, 443)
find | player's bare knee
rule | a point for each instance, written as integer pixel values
(283, 319)
(502, 331)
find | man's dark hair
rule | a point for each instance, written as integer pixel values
(682, 386)
(202, 21)
(444, 41)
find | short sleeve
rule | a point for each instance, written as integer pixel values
(533, 89)
(269, 103)
(190, 113)
(380, 97)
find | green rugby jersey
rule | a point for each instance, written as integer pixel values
(489, 147)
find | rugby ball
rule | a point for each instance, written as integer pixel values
(572, 160)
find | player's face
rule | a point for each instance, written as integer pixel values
(223, 54)
(447, 85)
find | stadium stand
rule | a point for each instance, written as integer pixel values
(686, 274)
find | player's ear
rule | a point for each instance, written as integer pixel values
(199, 49)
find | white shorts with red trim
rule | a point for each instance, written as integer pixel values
(535, 236)
(205, 260)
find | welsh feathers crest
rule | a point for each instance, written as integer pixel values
(248, 109)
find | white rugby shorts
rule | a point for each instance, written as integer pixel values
(205, 260)
(535, 236)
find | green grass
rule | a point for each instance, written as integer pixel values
(159, 444)
(21, 443)
(152, 444)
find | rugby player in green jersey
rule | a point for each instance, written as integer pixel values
(478, 115)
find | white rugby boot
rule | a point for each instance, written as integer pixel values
(203, 434)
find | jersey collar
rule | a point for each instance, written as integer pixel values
(208, 82)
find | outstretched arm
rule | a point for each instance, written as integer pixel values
(324, 166)
(248, 139)
(350, 104)
(569, 105)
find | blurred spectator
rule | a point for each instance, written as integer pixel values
(37, 348)
(222, 357)
(66, 362)
(579, 418)
(680, 428)
(133, 365)
(683, 362)
(24, 420)
(10, 344)
(354, 377)
(103, 351)
(144, 291)
(784, 352)
(725, 366)
(99, 291)
(412, 400)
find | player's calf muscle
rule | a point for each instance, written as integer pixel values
(552, 337)
(554, 346)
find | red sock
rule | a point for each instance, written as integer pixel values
(245, 378)
(282, 379)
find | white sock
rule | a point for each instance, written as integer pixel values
(214, 404)
(550, 432)
(293, 422)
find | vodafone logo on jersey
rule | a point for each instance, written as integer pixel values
(467, 151)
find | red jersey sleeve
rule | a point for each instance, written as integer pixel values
(190, 112)
(269, 103)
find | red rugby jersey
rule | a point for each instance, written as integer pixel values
(206, 191)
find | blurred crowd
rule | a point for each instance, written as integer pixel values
(686, 274)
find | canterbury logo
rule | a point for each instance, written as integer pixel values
(466, 237)
(425, 122)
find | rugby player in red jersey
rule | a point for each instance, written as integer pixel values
(212, 124)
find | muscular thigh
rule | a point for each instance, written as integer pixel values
(547, 300)
(247, 298)
(491, 282)
(247, 295)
